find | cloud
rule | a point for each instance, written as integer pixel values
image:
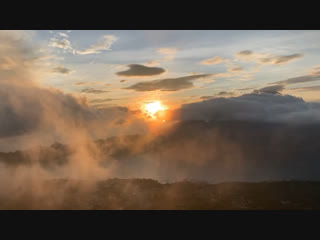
(220, 94)
(301, 79)
(263, 107)
(315, 70)
(62, 34)
(123, 81)
(60, 43)
(169, 53)
(152, 63)
(279, 86)
(274, 89)
(265, 58)
(103, 44)
(245, 53)
(137, 70)
(245, 89)
(310, 88)
(280, 60)
(62, 70)
(213, 61)
(168, 84)
(31, 115)
(235, 69)
(82, 83)
(95, 91)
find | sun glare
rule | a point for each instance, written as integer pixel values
(152, 109)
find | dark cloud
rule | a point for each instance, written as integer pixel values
(123, 81)
(137, 70)
(279, 60)
(81, 83)
(62, 70)
(262, 107)
(235, 69)
(220, 94)
(206, 97)
(268, 58)
(310, 88)
(301, 79)
(245, 53)
(168, 84)
(274, 89)
(95, 91)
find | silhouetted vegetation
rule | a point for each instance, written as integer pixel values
(149, 194)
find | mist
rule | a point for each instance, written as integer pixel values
(46, 134)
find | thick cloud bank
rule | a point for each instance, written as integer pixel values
(254, 107)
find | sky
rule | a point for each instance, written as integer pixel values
(55, 84)
(73, 87)
(129, 68)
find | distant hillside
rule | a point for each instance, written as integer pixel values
(122, 194)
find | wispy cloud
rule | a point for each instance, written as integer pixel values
(307, 89)
(265, 58)
(103, 44)
(220, 94)
(235, 69)
(94, 91)
(213, 61)
(62, 70)
(60, 43)
(301, 79)
(168, 84)
(168, 53)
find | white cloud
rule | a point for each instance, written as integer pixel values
(62, 34)
(103, 44)
(60, 43)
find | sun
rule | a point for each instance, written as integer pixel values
(152, 109)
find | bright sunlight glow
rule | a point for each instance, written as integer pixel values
(151, 109)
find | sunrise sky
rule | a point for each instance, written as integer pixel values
(57, 83)
(168, 105)
(131, 68)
